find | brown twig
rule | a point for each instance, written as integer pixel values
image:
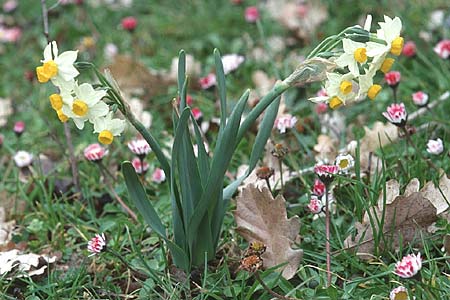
(327, 236)
(269, 290)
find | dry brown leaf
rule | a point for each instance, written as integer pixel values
(5, 110)
(438, 196)
(404, 217)
(32, 264)
(259, 217)
(326, 148)
(135, 78)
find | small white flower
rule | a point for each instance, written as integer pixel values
(344, 162)
(284, 122)
(108, 128)
(390, 33)
(23, 159)
(435, 147)
(366, 86)
(86, 104)
(231, 62)
(57, 68)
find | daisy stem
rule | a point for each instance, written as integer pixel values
(418, 152)
(72, 160)
(120, 257)
(327, 236)
(268, 185)
(269, 290)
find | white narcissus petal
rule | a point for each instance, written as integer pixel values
(368, 23)
(79, 123)
(67, 72)
(98, 110)
(99, 124)
(67, 57)
(117, 126)
(48, 51)
(319, 99)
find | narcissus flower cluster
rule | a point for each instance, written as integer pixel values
(79, 102)
(363, 54)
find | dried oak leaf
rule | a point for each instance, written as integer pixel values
(326, 148)
(259, 217)
(30, 264)
(404, 217)
(440, 195)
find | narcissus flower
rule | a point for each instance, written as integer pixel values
(443, 49)
(390, 33)
(315, 205)
(86, 104)
(140, 166)
(107, 128)
(396, 114)
(409, 266)
(420, 98)
(95, 152)
(139, 147)
(393, 78)
(318, 188)
(345, 162)
(251, 14)
(399, 293)
(435, 147)
(97, 244)
(409, 49)
(367, 88)
(57, 68)
(23, 159)
(354, 55)
(284, 122)
(158, 175)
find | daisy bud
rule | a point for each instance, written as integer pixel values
(344, 162)
(326, 173)
(435, 147)
(236, 2)
(139, 147)
(10, 6)
(141, 167)
(158, 175)
(315, 205)
(409, 50)
(408, 266)
(251, 14)
(399, 293)
(265, 172)
(321, 108)
(94, 152)
(420, 98)
(396, 114)
(23, 159)
(318, 188)
(443, 49)
(129, 23)
(208, 81)
(279, 151)
(97, 244)
(393, 78)
(284, 122)
(197, 113)
(19, 128)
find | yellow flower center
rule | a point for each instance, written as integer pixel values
(56, 101)
(360, 55)
(345, 87)
(397, 46)
(343, 163)
(61, 116)
(48, 70)
(401, 296)
(80, 108)
(373, 91)
(335, 102)
(387, 65)
(105, 137)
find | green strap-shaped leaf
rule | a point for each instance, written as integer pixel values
(220, 78)
(146, 209)
(203, 158)
(181, 71)
(139, 197)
